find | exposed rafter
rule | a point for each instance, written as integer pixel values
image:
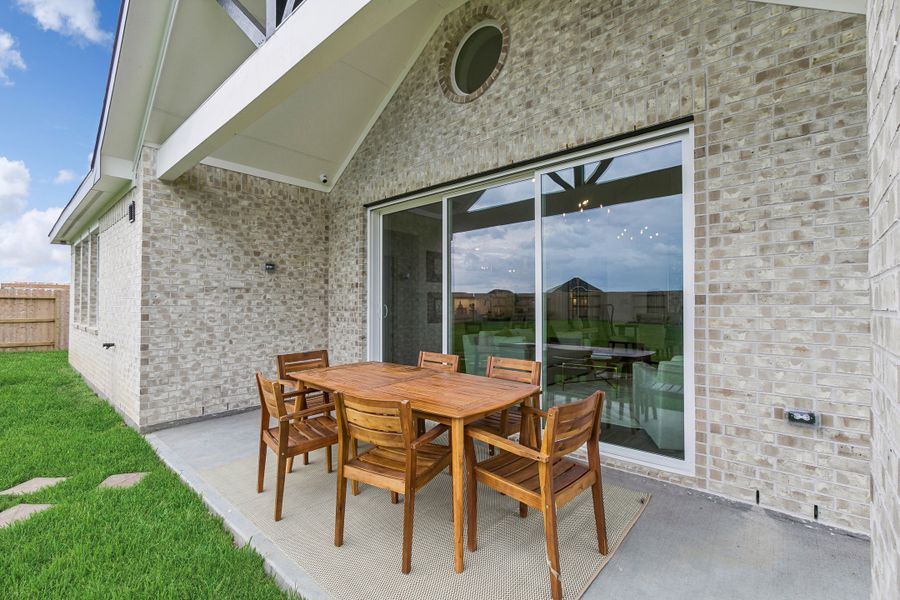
(277, 11)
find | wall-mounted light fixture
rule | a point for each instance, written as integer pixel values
(132, 212)
(269, 267)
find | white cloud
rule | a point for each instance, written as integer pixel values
(64, 176)
(25, 250)
(9, 57)
(14, 182)
(79, 19)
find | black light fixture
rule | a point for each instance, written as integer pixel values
(270, 267)
(132, 212)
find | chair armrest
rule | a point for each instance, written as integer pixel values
(537, 411)
(323, 408)
(502, 443)
(428, 437)
(299, 391)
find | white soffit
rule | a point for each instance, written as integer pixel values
(848, 6)
(317, 128)
(300, 105)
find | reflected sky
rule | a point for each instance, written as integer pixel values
(628, 246)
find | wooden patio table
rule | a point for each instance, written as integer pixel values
(454, 399)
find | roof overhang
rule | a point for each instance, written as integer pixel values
(133, 66)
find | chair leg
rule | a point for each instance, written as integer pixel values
(420, 427)
(279, 490)
(328, 459)
(290, 464)
(261, 469)
(354, 452)
(552, 551)
(306, 459)
(409, 500)
(523, 510)
(600, 515)
(340, 506)
(395, 497)
(471, 495)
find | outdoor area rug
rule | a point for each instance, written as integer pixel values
(511, 560)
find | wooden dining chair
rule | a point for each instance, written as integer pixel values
(509, 421)
(304, 397)
(541, 476)
(296, 432)
(397, 461)
(448, 363)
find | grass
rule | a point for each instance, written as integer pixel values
(153, 540)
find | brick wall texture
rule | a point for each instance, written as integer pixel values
(211, 316)
(783, 305)
(778, 97)
(114, 373)
(884, 259)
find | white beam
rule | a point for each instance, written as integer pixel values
(857, 7)
(318, 34)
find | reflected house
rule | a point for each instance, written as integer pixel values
(576, 299)
(495, 305)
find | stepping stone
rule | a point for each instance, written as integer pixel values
(19, 513)
(123, 480)
(32, 485)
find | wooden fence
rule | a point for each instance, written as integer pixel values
(34, 316)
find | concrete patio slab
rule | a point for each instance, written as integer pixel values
(686, 545)
(20, 512)
(123, 480)
(32, 485)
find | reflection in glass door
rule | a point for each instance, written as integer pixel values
(613, 293)
(491, 239)
(411, 283)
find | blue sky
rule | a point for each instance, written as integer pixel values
(54, 60)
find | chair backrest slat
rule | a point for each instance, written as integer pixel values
(514, 369)
(380, 421)
(438, 362)
(301, 361)
(569, 426)
(270, 396)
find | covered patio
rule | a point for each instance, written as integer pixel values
(684, 545)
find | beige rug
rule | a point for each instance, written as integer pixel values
(511, 558)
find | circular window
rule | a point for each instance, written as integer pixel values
(475, 50)
(476, 57)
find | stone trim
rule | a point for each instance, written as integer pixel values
(455, 36)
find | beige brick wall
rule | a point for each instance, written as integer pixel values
(210, 314)
(884, 259)
(783, 305)
(114, 373)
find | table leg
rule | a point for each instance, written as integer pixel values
(457, 441)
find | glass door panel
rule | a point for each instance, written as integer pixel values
(411, 288)
(491, 239)
(613, 294)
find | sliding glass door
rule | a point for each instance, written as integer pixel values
(583, 264)
(411, 283)
(491, 245)
(613, 293)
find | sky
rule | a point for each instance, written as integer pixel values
(54, 60)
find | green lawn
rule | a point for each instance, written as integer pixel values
(153, 540)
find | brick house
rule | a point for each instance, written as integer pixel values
(718, 177)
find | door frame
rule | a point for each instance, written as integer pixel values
(681, 132)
